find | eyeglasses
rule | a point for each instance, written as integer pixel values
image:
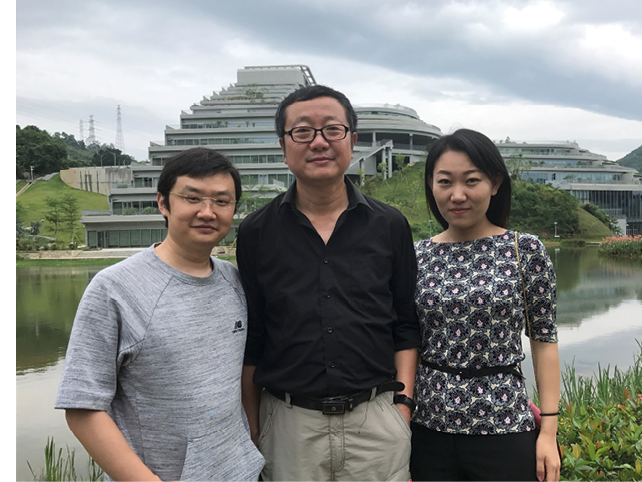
(305, 134)
(214, 203)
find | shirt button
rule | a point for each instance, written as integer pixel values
(325, 260)
(329, 329)
(327, 295)
(332, 365)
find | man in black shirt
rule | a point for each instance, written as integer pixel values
(330, 276)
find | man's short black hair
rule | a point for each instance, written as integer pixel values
(312, 92)
(483, 153)
(197, 163)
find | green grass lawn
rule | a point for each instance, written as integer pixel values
(20, 185)
(591, 228)
(33, 200)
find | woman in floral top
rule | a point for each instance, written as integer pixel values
(473, 420)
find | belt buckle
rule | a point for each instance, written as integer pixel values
(334, 408)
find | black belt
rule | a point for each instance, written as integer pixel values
(340, 404)
(476, 372)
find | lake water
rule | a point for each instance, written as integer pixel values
(599, 316)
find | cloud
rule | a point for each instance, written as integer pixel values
(160, 57)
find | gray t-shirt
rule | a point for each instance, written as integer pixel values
(161, 352)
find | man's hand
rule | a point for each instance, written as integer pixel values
(405, 411)
(106, 444)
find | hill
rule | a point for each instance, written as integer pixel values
(633, 159)
(534, 206)
(591, 228)
(33, 202)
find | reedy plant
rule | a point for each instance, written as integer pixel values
(59, 466)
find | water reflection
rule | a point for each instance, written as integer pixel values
(46, 302)
(588, 284)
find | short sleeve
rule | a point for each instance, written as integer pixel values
(89, 376)
(541, 289)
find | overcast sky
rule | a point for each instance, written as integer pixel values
(528, 70)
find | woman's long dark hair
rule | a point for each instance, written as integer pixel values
(483, 153)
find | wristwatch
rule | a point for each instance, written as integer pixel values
(405, 400)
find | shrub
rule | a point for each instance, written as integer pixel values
(600, 426)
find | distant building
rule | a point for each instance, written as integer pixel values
(238, 121)
(587, 176)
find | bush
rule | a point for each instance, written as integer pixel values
(600, 426)
(602, 443)
(25, 244)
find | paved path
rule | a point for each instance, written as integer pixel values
(108, 253)
(23, 189)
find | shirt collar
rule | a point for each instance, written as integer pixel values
(354, 196)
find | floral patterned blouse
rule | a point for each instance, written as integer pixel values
(470, 303)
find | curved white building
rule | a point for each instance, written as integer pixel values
(386, 130)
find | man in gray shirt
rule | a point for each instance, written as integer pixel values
(152, 378)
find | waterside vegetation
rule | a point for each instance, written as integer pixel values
(600, 429)
(600, 424)
(628, 247)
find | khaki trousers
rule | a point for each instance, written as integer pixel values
(370, 443)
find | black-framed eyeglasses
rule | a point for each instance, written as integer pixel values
(305, 134)
(195, 200)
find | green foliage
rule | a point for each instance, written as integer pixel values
(607, 220)
(53, 215)
(591, 227)
(36, 148)
(59, 466)
(20, 211)
(632, 159)
(35, 207)
(110, 156)
(622, 247)
(536, 207)
(70, 215)
(129, 211)
(600, 426)
(150, 210)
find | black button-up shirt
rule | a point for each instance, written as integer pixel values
(326, 319)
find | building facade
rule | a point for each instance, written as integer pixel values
(238, 121)
(588, 176)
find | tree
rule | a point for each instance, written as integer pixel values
(516, 165)
(536, 207)
(110, 156)
(70, 214)
(20, 214)
(36, 148)
(53, 214)
(609, 221)
(35, 227)
(382, 167)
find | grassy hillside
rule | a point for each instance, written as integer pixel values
(33, 200)
(591, 228)
(405, 191)
(633, 159)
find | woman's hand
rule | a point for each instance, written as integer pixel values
(548, 458)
